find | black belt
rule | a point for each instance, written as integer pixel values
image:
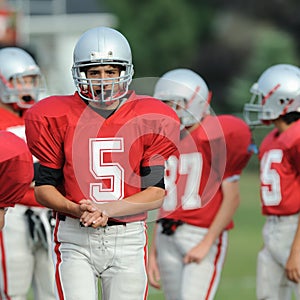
(110, 222)
(169, 225)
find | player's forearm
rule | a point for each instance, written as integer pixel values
(222, 219)
(230, 203)
(149, 199)
(49, 196)
(152, 251)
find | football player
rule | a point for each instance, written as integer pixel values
(25, 240)
(16, 169)
(276, 100)
(202, 183)
(102, 152)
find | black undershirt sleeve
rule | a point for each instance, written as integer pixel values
(36, 167)
(48, 176)
(153, 176)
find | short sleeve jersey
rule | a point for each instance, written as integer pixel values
(16, 169)
(217, 149)
(15, 124)
(101, 158)
(279, 156)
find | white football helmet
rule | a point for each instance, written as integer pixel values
(102, 46)
(188, 93)
(276, 93)
(15, 65)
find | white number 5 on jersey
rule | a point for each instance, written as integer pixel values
(271, 192)
(112, 172)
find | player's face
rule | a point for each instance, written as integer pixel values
(172, 104)
(103, 72)
(104, 83)
(24, 85)
(178, 106)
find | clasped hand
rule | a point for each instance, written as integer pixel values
(92, 215)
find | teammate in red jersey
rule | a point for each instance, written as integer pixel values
(202, 183)
(276, 100)
(16, 169)
(25, 240)
(102, 153)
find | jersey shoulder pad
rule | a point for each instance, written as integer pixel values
(235, 129)
(55, 106)
(210, 129)
(12, 146)
(291, 136)
(8, 119)
(233, 124)
(143, 104)
(239, 145)
(16, 166)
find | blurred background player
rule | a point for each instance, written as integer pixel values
(276, 101)
(104, 147)
(16, 169)
(25, 257)
(202, 183)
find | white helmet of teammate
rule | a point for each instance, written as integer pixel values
(102, 46)
(187, 92)
(276, 93)
(21, 80)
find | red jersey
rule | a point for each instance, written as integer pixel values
(279, 156)
(101, 158)
(217, 149)
(15, 124)
(16, 169)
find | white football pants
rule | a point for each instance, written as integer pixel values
(191, 281)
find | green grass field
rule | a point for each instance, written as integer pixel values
(238, 277)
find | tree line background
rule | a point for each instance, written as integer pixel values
(229, 43)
